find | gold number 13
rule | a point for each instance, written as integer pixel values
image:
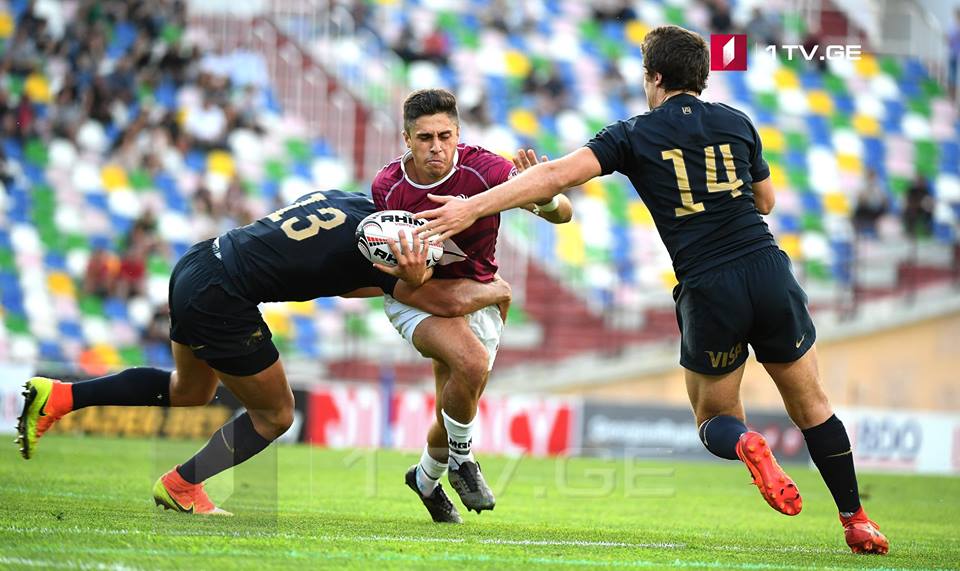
(683, 181)
(332, 217)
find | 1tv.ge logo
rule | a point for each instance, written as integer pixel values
(728, 52)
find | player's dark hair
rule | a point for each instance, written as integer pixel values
(428, 102)
(680, 56)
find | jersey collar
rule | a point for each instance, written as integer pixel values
(403, 168)
(678, 98)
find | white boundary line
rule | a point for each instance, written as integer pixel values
(677, 563)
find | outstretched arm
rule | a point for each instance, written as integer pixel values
(453, 298)
(538, 184)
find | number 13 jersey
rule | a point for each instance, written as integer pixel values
(302, 251)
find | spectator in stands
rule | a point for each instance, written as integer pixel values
(549, 88)
(872, 204)
(158, 330)
(207, 124)
(721, 22)
(918, 208)
(508, 17)
(612, 11)
(133, 270)
(436, 47)
(23, 54)
(953, 48)
(765, 27)
(68, 113)
(100, 278)
(432, 47)
(204, 219)
(247, 103)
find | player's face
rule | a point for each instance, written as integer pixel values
(433, 141)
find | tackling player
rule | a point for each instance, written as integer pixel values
(302, 251)
(463, 350)
(699, 168)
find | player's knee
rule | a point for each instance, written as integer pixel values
(472, 368)
(186, 391)
(272, 424)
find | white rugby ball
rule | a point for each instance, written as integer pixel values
(374, 231)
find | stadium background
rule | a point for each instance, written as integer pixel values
(130, 130)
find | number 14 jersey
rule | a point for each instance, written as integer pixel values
(692, 163)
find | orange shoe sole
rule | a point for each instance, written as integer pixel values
(776, 487)
(866, 539)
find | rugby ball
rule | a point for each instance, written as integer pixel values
(374, 231)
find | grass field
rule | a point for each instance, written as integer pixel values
(84, 503)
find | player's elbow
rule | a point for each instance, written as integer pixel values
(764, 204)
(450, 309)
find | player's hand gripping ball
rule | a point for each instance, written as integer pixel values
(374, 231)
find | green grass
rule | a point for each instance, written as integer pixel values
(84, 503)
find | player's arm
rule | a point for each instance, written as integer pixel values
(539, 184)
(558, 210)
(763, 196)
(364, 292)
(453, 298)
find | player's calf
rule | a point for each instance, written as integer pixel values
(47, 400)
(236, 442)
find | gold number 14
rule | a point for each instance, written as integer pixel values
(683, 181)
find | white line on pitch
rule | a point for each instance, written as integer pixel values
(29, 562)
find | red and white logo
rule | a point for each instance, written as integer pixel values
(728, 52)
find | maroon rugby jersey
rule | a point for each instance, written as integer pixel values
(469, 254)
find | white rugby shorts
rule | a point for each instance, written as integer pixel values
(485, 323)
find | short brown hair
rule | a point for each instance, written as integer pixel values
(680, 56)
(428, 102)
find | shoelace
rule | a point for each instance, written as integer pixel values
(469, 472)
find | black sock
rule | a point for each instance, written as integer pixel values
(140, 386)
(829, 447)
(234, 443)
(720, 435)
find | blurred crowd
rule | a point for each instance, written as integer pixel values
(124, 86)
(124, 81)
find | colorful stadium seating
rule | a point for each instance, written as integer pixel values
(821, 131)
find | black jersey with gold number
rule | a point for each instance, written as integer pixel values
(692, 163)
(302, 251)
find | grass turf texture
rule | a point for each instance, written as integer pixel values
(85, 503)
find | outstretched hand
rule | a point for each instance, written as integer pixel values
(454, 216)
(526, 159)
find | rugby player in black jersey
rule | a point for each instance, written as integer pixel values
(300, 252)
(699, 168)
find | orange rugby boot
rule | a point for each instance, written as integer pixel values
(45, 402)
(174, 493)
(863, 535)
(775, 485)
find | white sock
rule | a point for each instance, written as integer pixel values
(459, 439)
(429, 472)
